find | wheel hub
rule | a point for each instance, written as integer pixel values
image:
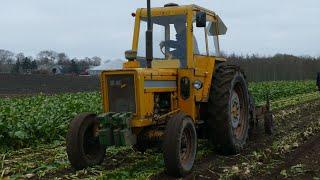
(235, 110)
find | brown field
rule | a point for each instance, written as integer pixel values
(292, 152)
(23, 85)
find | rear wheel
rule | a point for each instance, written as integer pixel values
(83, 146)
(228, 110)
(180, 145)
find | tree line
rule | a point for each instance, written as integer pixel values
(43, 62)
(277, 67)
(257, 68)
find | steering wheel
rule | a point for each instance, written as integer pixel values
(166, 54)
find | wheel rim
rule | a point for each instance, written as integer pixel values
(186, 146)
(91, 144)
(238, 112)
(235, 109)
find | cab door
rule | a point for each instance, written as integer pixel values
(205, 53)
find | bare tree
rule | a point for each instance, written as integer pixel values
(96, 61)
(20, 56)
(47, 57)
(6, 57)
(6, 60)
(63, 59)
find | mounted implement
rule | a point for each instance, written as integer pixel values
(318, 80)
(174, 88)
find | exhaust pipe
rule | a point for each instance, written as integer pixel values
(149, 36)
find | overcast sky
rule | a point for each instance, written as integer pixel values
(104, 27)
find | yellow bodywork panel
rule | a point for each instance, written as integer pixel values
(104, 88)
(148, 103)
(168, 11)
(187, 105)
(131, 64)
(160, 74)
(166, 64)
(204, 68)
(146, 82)
(176, 10)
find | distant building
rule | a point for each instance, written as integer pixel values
(51, 69)
(56, 69)
(107, 65)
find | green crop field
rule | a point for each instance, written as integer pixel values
(280, 89)
(33, 130)
(44, 119)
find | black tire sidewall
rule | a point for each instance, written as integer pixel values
(75, 140)
(187, 123)
(96, 159)
(172, 145)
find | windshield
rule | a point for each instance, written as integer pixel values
(169, 39)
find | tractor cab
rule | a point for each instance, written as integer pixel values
(181, 34)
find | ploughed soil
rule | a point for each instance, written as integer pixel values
(305, 160)
(292, 152)
(24, 85)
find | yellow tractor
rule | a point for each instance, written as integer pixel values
(174, 88)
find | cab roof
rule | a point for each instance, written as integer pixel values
(183, 9)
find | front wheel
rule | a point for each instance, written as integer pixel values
(180, 145)
(83, 146)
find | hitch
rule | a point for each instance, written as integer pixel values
(264, 113)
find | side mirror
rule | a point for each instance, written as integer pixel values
(131, 55)
(201, 19)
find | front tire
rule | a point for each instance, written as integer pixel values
(228, 110)
(83, 146)
(180, 145)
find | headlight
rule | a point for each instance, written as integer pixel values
(197, 84)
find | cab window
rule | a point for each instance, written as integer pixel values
(213, 40)
(199, 40)
(169, 39)
(205, 43)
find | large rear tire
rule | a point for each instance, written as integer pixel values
(83, 146)
(180, 145)
(228, 110)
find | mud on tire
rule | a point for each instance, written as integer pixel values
(228, 110)
(180, 145)
(83, 146)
